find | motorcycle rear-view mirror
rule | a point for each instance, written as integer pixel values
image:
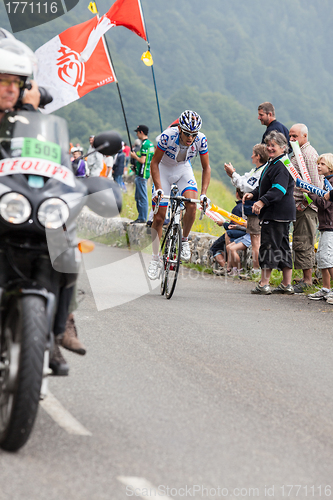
(108, 143)
(104, 196)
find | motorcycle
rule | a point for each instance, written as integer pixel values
(40, 199)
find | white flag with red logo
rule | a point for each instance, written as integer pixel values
(75, 62)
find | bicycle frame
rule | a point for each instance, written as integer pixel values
(172, 241)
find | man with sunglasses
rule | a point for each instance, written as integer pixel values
(10, 87)
(15, 68)
(171, 164)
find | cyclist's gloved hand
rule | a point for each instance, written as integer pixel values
(156, 193)
(204, 198)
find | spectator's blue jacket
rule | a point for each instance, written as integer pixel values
(119, 164)
(275, 190)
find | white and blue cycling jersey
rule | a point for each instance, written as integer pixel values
(168, 142)
(175, 166)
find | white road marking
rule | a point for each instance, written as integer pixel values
(62, 417)
(120, 282)
(137, 485)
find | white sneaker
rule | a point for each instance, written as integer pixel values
(154, 269)
(320, 295)
(186, 251)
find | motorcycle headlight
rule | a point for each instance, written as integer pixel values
(53, 213)
(15, 208)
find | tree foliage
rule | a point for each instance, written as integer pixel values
(220, 58)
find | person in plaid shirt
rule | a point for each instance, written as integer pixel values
(306, 215)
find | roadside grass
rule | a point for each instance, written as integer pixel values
(198, 267)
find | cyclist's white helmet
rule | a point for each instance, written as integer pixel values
(190, 121)
(15, 57)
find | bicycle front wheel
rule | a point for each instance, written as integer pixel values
(171, 249)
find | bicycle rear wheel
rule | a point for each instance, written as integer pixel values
(171, 249)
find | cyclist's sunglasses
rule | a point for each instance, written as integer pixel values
(190, 135)
(6, 82)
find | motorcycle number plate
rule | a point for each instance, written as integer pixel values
(29, 147)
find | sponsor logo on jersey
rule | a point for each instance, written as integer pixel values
(204, 143)
(164, 140)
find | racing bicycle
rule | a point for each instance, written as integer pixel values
(171, 245)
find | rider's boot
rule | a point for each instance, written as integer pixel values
(70, 340)
(57, 362)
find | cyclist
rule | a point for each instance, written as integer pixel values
(171, 164)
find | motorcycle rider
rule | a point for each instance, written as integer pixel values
(16, 66)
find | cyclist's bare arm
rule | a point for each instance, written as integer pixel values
(155, 173)
(205, 173)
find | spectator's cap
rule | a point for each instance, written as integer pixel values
(74, 149)
(142, 128)
(91, 136)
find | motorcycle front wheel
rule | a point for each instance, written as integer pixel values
(22, 346)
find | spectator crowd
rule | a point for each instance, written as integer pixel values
(276, 210)
(272, 201)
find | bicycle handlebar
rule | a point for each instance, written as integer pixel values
(180, 199)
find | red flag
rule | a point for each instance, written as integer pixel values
(75, 62)
(128, 13)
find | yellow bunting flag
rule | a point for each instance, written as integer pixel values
(92, 7)
(147, 58)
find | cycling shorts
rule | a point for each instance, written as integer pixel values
(181, 174)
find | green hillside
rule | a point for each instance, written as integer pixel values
(220, 58)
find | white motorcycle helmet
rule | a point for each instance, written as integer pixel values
(15, 57)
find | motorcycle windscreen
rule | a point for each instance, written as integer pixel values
(34, 135)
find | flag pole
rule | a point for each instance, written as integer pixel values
(158, 105)
(118, 88)
(119, 93)
(152, 70)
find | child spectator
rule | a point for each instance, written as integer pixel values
(240, 244)
(233, 231)
(325, 217)
(79, 165)
(247, 183)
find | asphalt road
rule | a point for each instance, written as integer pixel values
(215, 393)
